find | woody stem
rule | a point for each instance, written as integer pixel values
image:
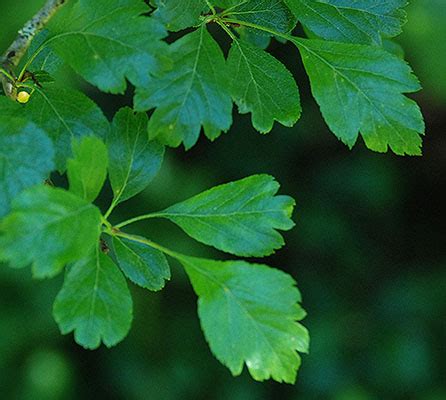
(13, 55)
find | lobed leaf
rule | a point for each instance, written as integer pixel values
(249, 315)
(193, 94)
(48, 228)
(94, 302)
(360, 21)
(240, 217)
(360, 90)
(262, 85)
(108, 42)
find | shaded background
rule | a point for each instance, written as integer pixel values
(368, 252)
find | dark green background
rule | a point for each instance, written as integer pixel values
(368, 252)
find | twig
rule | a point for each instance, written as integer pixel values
(18, 48)
(211, 7)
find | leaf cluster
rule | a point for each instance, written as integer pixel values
(49, 228)
(249, 313)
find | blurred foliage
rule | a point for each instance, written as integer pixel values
(368, 252)
(424, 39)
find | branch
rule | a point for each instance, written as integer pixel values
(18, 48)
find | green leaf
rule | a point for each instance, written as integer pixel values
(46, 59)
(66, 114)
(87, 171)
(360, 21)
(106, 43)
(262, 85)
(228, 3)
(179, 14)
(48, 228)
(134, 160)
(94, 302)
(249, 314)
(271, 14)
(240, 217)
(26, 158)
(359, 89)
(193, 94)
(392, 47)
(254, 38)
(143, 265)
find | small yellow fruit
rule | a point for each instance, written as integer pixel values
(23, 97)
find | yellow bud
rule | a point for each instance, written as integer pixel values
(23, 97)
